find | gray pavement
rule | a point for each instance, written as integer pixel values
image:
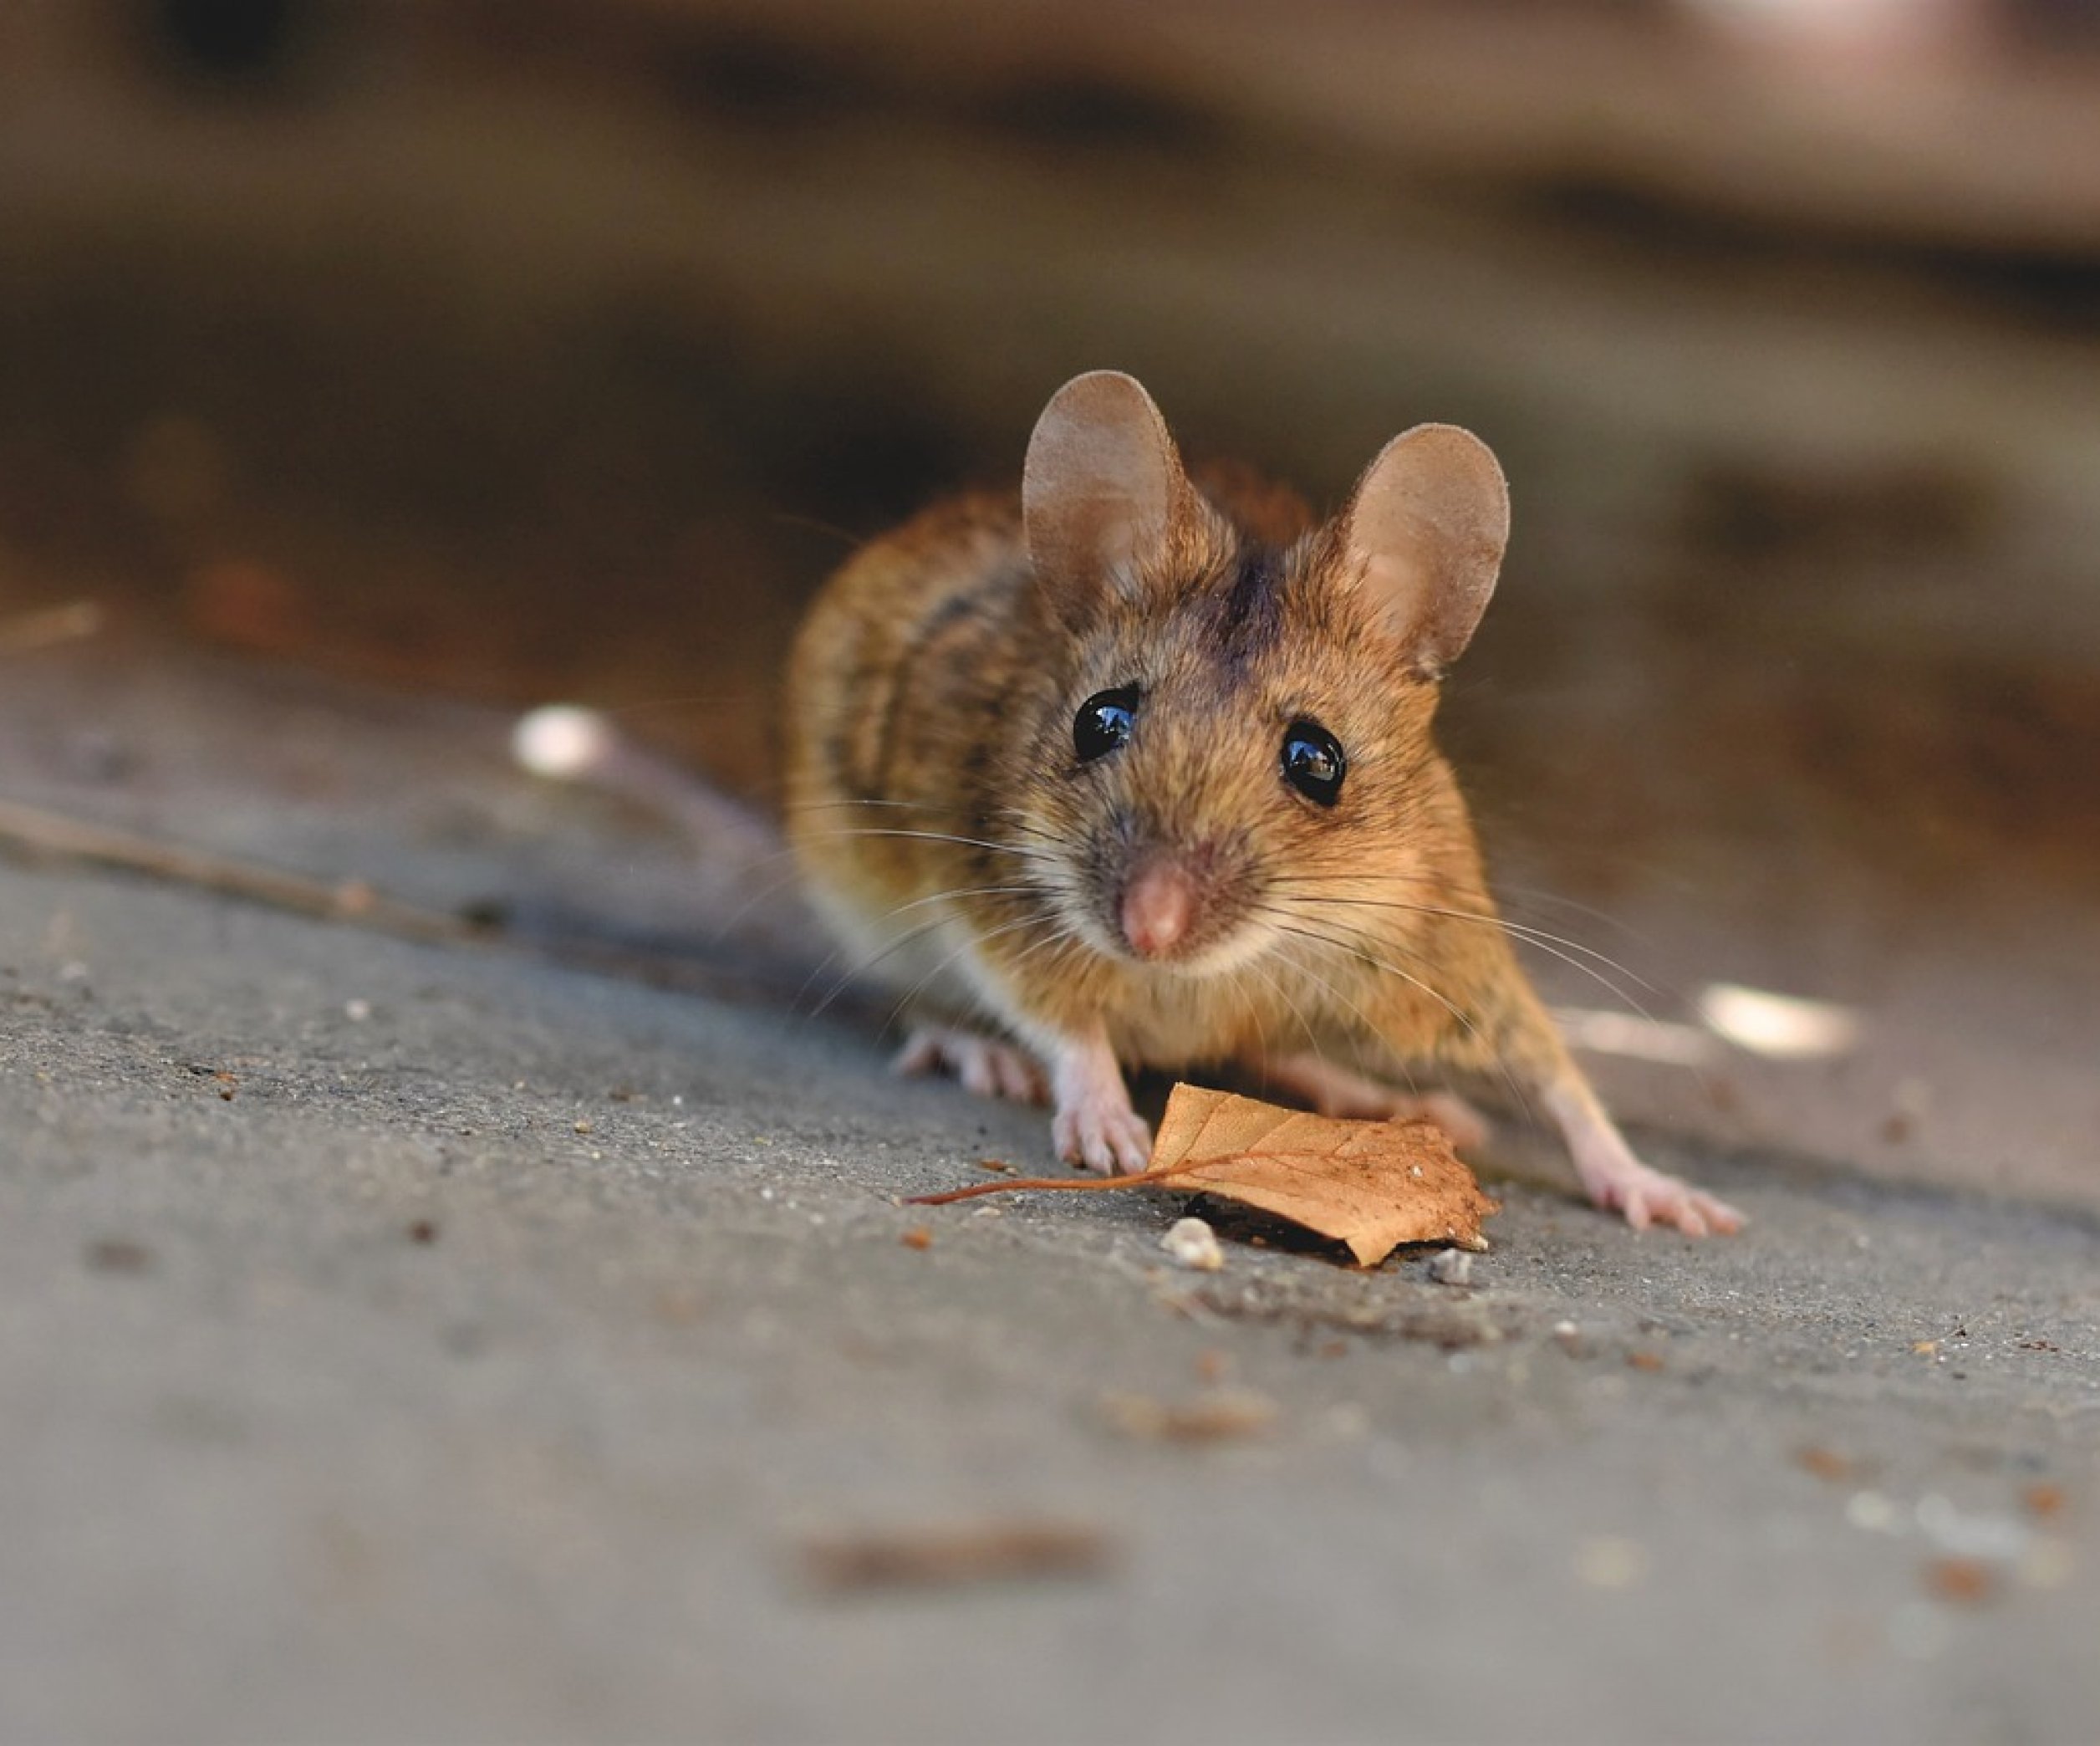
(407, 1342)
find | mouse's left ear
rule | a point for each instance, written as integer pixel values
(1425, 534)
(1103, 492)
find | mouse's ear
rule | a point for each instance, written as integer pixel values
(1425, 532)
(1103, 488)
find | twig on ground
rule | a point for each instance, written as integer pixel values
(945, 1556)
(33, 831)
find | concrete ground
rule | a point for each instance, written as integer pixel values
(406, 1340)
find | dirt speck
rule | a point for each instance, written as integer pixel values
(1826, 1463)
(1964, 1581)
(118, 1255)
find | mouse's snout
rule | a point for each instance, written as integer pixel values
(1159, 906)
(1175, 902)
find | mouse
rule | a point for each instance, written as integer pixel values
(1135, 768)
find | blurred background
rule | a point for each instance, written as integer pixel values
(368, 368)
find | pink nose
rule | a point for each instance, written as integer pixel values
(1158, 904)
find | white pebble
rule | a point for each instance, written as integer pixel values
(1451, 1266)
(1873, 1513)
(1192, 1243)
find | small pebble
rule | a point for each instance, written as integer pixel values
(1190, 1243)
(1451, 1266)
(1873, 1513)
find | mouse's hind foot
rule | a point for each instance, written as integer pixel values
(1334, 1090)
(1618, 1182)
(984, 1064)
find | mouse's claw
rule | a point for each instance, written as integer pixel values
(1648, 1197)
(1103, 1137)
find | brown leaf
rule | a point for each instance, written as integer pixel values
(1370, 1185)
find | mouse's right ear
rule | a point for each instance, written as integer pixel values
(1103, 490)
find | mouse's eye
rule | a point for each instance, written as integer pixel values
(1103, 722)
(1312, 761)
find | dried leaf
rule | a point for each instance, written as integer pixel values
(1370, 1185)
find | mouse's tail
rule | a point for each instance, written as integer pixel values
(740, 857)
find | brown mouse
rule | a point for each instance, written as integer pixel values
(1133, 769)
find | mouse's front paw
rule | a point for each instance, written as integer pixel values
(1102, 1133)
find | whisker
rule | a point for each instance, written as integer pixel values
(1293, 924)
(810, 806)
(1355, 948)
(1021, 821)
(680, 700)
(909, 937)
(1282, 990)
(1524, 930)
(940, 836)
(1010, 815)
(1553, 945)
(1341, 997)
(846, 978)
(845, 536)
(918, 987)
(1539, 896)
(773, 886)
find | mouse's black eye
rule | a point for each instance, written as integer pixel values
(1103, 722)
(1312, 761)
